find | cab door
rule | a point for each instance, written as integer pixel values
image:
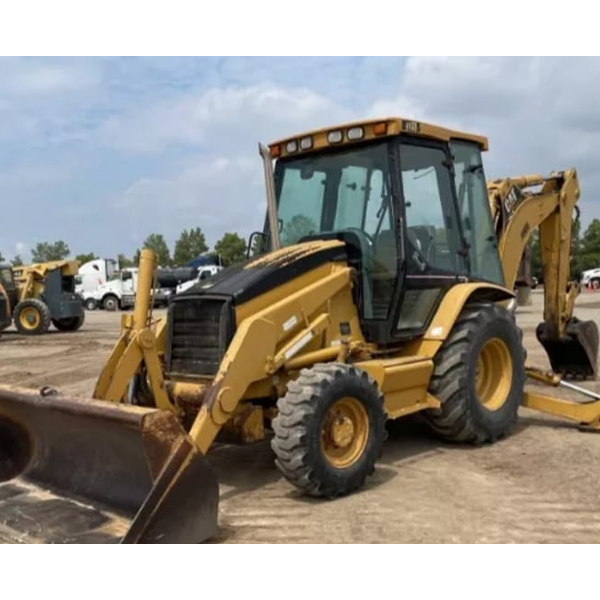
(7, 281)
(436, 256)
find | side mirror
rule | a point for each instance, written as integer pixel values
(256, 244)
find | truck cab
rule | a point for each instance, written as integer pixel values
(118, 291)
(203, 273)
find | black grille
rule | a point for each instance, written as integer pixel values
(199, 332)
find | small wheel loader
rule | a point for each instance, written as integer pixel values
(386, 291)
(38, 295)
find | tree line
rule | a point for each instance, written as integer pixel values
(231, 249)
(585, 250)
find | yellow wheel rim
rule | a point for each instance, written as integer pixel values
(29, 318)
(493, 375)
(344, 432)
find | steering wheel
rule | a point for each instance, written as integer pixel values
(361, 232)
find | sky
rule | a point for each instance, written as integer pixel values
(101, 152)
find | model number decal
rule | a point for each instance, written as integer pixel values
(411, 126)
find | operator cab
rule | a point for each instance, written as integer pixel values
(7, 281)
(413, 211)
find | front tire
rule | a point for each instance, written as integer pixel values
(479, 376)
(70, 324)
(329, 430)
(110, 303)
(90, 304)
(32, 317)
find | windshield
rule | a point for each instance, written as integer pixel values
(334, 192)
(347, 190)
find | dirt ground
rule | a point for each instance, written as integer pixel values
(539, 485)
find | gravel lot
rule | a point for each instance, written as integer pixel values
(539, 485)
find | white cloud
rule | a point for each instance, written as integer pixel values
(220, 118)
(221, 190)
(25, 77)
(110, 150)
(220, 195)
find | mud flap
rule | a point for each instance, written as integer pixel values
(576, 353)
(88, 471)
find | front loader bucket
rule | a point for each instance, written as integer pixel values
(575, 354)
(88, 471)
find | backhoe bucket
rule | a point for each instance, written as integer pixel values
(576, 353)
(84, 471)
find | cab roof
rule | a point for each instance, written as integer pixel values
(372, 129)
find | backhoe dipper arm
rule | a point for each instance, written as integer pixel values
(551, 209)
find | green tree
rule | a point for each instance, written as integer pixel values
(136, 258)
(590, 242)
(156, 243)
(17, 261)
(297, 227)
(588, 252)
(124, 262)
(49, 251)
(1, 257)
(83, 258)
(189, 245)
(231, 248)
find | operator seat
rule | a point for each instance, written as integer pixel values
(360, 256)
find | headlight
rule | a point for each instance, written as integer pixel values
(355, 133)
(291, 147)
(306, 143)
(334, 137)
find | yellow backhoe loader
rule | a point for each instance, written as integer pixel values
(385, 292)
(42, 294)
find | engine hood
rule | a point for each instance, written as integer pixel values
(257, 276)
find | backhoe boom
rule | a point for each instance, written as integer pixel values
(517, 209)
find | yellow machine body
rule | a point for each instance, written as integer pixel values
(30, 279)
(42, 294)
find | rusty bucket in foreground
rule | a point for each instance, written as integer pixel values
(574, 354)
(84, 471)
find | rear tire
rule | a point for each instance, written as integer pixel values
(329, 430)
(70, 324)
(110, 303)
(90, 304)
(32, 317)
(479, 376)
